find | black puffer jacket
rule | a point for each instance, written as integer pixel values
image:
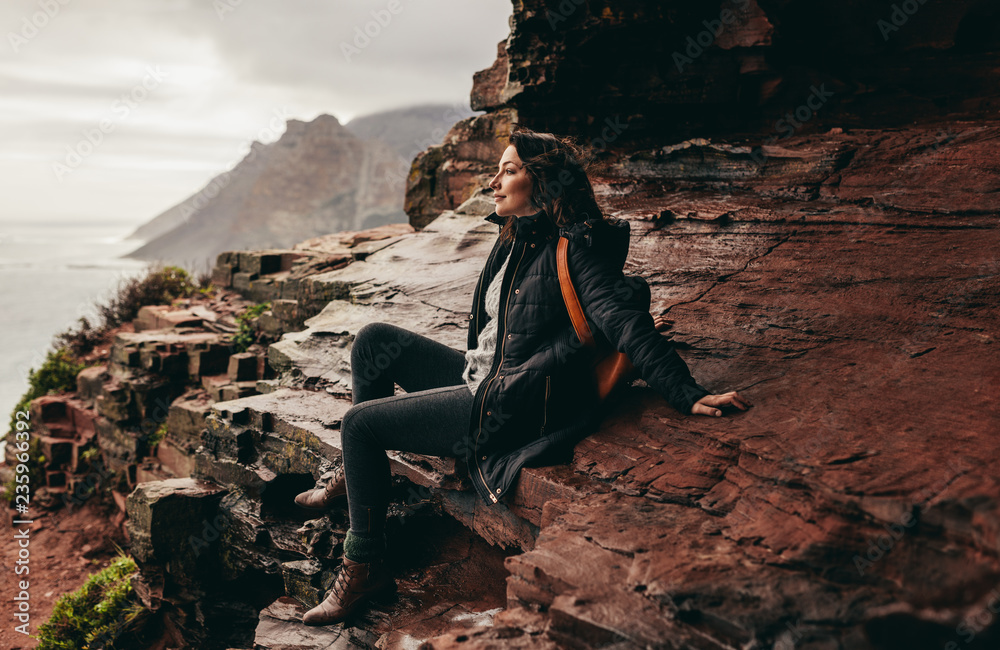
(539, 397)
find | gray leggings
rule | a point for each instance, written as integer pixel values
(431, 418)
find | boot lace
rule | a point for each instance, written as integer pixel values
(344, 578)
(335, 476)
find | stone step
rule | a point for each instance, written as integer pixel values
(153, 470)
(221, 388)
(294, 431)
(195, 535)
(186, 418)
(425, 280)
(178, 459)
(447, 579)
(159, 317)
(281, 627)
(273, 275)
(515, 627)
(90, 381)
(181, 350)
(52, 415)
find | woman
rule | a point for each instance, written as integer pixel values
(524, 392)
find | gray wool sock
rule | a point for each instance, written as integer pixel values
(363, 548)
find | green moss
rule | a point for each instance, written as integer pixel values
(246, 321)
(56, 374)
(98, 614)
(35, 462)
(157, 436)
(88, 455)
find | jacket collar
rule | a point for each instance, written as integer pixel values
(531, 227)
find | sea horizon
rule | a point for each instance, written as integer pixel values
(53, 273)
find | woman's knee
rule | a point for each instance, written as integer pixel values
(368, 333)
(354, 425)
(373, 338)
(377, 345)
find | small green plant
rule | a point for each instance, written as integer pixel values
(56, 374)
(205, 283)
(98, 614)
(246, 322)
(157, 287)
(36, 461)
(88, 455)
(158, 435)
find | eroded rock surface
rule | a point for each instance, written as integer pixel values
(844, 278)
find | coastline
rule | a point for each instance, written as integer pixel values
(52, 274)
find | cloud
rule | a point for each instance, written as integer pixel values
(228, 66)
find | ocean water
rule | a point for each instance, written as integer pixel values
(51, 274)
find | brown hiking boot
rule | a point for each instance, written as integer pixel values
(356, 583)
(323, 497)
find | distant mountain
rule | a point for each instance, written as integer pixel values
(320, 177)
(408, 131)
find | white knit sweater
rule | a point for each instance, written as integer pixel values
(479, 359)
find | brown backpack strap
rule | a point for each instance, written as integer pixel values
(569, 296)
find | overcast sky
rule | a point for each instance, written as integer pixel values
(114, 110)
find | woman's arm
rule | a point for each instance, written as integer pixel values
(608, 302)
(704, 405)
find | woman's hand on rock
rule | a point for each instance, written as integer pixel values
(713, 404)
(707, 404)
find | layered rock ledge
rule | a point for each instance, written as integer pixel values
(853, 505)
(844, 278)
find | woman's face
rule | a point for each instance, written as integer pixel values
(512, 187)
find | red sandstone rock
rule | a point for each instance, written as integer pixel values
(845, 280)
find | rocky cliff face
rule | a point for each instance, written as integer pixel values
(812, 193)
(845, 278)
(628, 77)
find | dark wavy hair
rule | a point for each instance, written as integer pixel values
(559, 182)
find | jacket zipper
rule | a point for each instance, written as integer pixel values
(545, 408)
(475, 315)
(482, 404)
